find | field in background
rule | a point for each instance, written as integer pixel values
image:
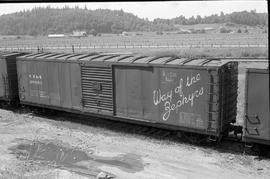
(183, 44)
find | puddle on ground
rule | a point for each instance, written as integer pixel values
(75, 160)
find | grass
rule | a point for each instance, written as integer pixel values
(148, 39)
(151, 44)
(209, 52)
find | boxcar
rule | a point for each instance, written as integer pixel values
(257, 122)
(8, 76)
(197, 95)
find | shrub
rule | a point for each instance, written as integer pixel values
(224, 30)
(93, 32)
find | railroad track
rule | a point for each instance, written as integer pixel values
(229, 144)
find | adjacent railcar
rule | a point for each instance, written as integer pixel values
(8, 76)
(257, 121)
(197, 95)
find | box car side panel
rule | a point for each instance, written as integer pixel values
(42, 80)
(133, 84)
(76, 90)
(120, 100)
(32, 69)
(53, 83)
(257, 106)
(28, 81)
(3, 78)
(170, 96)
(148, 82)
(65, 86)
(133, 102)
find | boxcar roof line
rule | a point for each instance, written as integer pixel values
(66, 57)
(125, 59)
(9, 54)
(45, 56)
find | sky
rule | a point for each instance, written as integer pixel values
(152, 10)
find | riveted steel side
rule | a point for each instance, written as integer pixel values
(180, 97)
(49, 83)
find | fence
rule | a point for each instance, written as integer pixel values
(79, 47)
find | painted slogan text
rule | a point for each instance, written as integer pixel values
(183, 99)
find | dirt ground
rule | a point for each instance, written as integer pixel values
(38, 147)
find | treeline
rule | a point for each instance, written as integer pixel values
(245, 18)
(43, 21)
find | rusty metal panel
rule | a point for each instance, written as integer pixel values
(97, 89)
(28, 90)
(50, 83)
(64, 81)
(120, 100)
(134, 102)
(174, 96)
(76, 90)
(53, 83)
(134, 93)
(257, 122)
(65, 87)
(41, 79)
(32, 82)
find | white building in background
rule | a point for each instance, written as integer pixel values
(79, 33)
(56, 35)
(125, 33)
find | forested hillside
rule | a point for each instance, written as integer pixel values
(43, 21)
(245, 18)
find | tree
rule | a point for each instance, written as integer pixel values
(198, 19)
(40, 21)
(224, 30)
(116, 28)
